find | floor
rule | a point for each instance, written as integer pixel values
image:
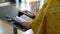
(8, 29)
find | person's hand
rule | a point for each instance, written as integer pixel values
(25, 24)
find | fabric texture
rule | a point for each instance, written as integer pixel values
(47, 20)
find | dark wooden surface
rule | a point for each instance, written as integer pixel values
(15, 30)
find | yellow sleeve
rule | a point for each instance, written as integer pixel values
(37, 23)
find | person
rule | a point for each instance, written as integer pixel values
(47, 20)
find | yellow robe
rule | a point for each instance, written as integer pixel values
(47, 20)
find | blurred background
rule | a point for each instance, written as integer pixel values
(11, 8)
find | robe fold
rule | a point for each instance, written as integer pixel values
(47, 20)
